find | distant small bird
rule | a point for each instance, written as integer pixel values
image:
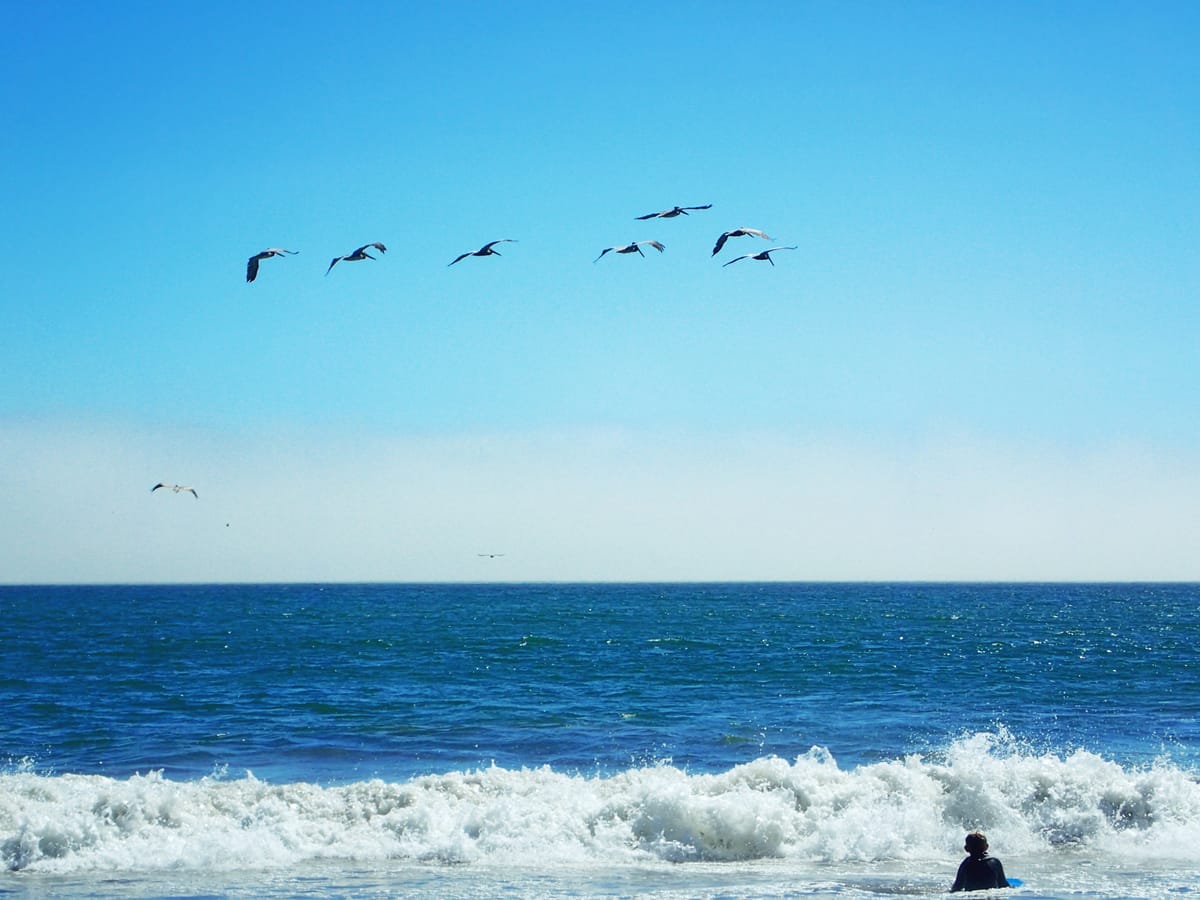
(673, 212)
(485, 250)
(739, 232)
(631, 248)
(490, 555)
(175, 488)
(252, 263)
(765, 254)
(359, 254)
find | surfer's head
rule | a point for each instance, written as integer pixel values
(976, 843)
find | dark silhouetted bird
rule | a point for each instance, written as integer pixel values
(176, 488)
(359, 254)
(635, 247)
(739, 232)
(765, 254)
(252, 263)
(485, 250)
(673, 212)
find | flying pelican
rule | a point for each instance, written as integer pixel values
(489, 555)
(485, 250)
(673, 212)
(252, 263)
(765, 254)
(360, 253)
(631, 248)
(175, 488)
(739, 232)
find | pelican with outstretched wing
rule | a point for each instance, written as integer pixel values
(359, 254)
(673, 212)
(739, 232)
(252, 262)
(765, 254)
(485, 250)
(635, 247)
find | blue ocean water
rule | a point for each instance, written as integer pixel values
(552, 740)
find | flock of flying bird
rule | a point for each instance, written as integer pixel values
(489, 249)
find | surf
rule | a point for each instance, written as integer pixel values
(912, 810)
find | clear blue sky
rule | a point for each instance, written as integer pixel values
(981, 361)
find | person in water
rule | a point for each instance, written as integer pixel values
(978, 872)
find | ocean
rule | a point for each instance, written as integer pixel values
(597, 740)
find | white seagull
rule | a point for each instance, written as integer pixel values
(673, 212)
(631, 248)
(359, 254)
(739, 232)
(175, 488)
(765, 254)
(252, 263)
(485, 250)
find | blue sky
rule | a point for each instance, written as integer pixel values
(980, 362)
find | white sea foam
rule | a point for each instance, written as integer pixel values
(808, 811)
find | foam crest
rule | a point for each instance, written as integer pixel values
(1071, 800)
(809, 810)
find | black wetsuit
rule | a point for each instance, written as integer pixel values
(978, 873)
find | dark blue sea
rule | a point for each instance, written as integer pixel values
(597, 740)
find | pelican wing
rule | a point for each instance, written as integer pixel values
(705, 206)
(490, 244)
(378, 246)
(602, 252)
(252, 268)
(650, 215)
(655, 244)
(461, 257)
(336, 260)
(738, 259)
(720, 242)
(156, 487)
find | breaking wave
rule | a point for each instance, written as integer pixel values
(911, 808)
